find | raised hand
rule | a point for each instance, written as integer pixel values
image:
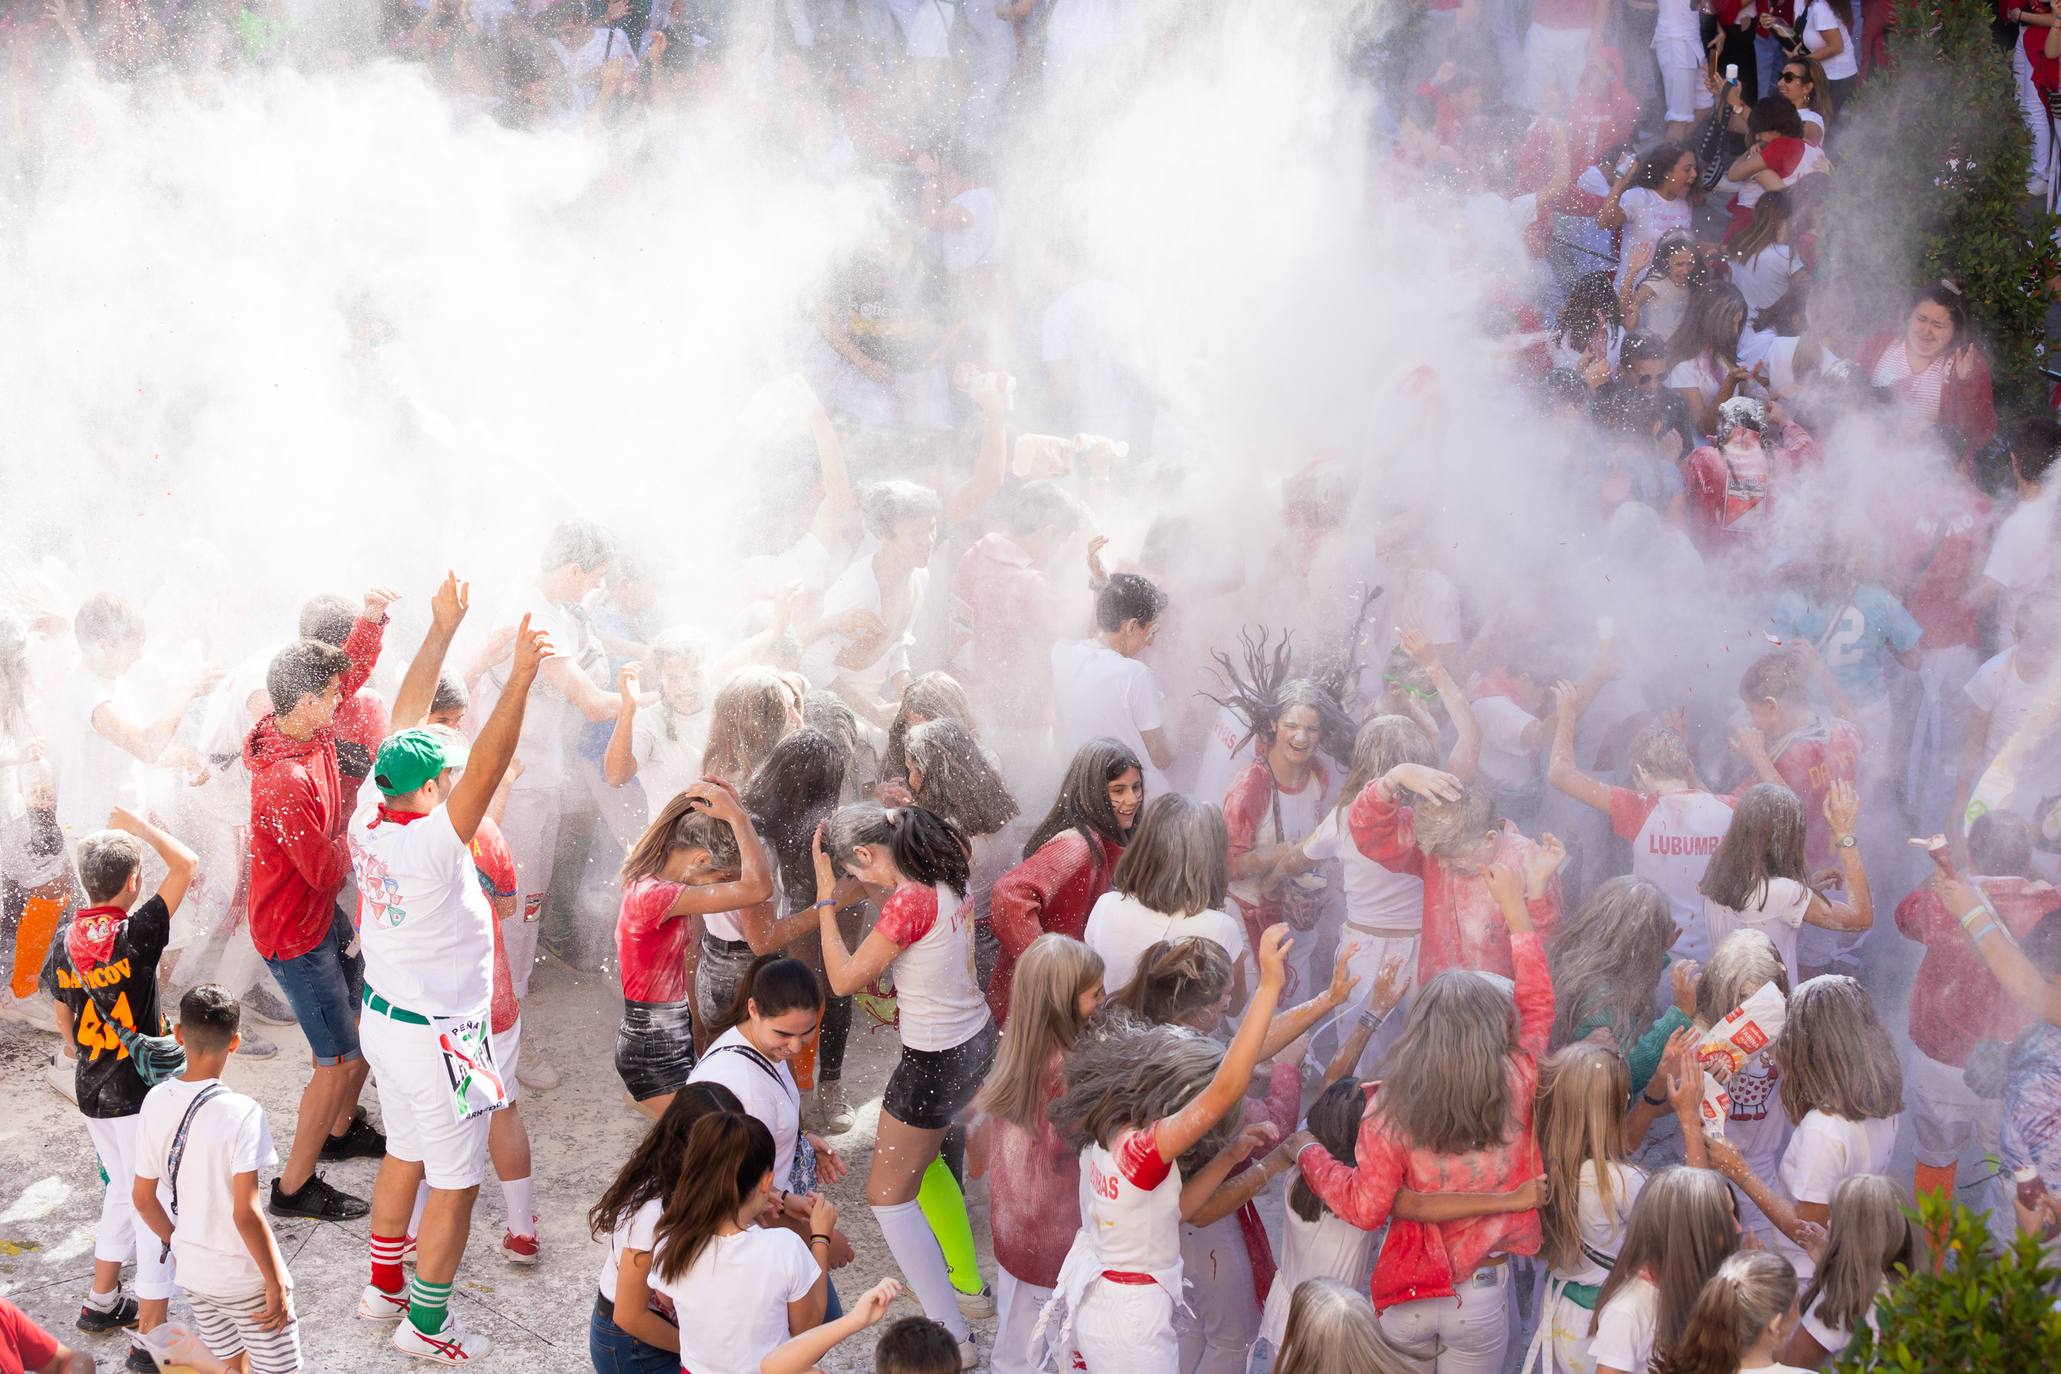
(1541, 862)
(1389, 985)
(1275, 944)
(448, 606)
(1842, 807)
(377, 599)
(532, 647)
(1424, 781)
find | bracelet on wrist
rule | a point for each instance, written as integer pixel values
(819, 1236)
(1652, 1101)
(1371, 1020)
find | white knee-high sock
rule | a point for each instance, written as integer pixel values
(522, 1212)
(922, 1264)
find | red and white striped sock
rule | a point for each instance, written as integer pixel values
(386, 1264)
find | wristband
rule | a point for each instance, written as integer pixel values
(819, 1236)
(830, 902)
(1660, 1101)
(1369, 1020)
(1981, 912)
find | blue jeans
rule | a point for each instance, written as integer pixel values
(615, 1351)
(324, 987)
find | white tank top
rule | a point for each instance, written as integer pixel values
(1131, 1208)
(941, 1005)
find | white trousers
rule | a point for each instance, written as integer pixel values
(1017, 1305)
(1218, 1337)
(1947, 1116)
(530, 825)
(1467, 1334)
(1124, 1328)
(1553, 60)
(121, 1235)
(2034, 111)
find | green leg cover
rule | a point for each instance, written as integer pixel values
(944, 1207)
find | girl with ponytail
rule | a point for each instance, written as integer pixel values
(1741, 1320)
(739, 1290)
(916, 864)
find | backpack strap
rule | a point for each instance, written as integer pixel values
(177, 1154)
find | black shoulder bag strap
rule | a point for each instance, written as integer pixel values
(177, 1154)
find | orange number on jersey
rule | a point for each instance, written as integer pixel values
(96, 1034)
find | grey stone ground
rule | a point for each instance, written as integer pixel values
(536, 1316)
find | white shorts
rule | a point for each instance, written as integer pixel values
(121, 1235)
(415, 1104)
(1125, 1328)
(1947, 1116)
(1017, 1305)
(1681, 78)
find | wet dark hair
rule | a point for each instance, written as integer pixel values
(926, 847)
(796, 787)
(779, 985)
(653, 1165)
(1126, 597)
(1590, 295)
(302, 669)
(1773, 114)
(1656, 162)
(208, 1018)
(1334, 1119)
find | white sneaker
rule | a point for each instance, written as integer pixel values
(63, 1075)
(375, 1304)
(535, 1073)
(976, 1306)
(34, 1011)
(452, 1345)
(969, 1355)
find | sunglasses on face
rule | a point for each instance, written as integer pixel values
(1649, 380)
(1788, 76)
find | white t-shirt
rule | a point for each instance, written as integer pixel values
(1602, 1229)
(428, 931)
(1328, 1248)
(1121, 929)
(667, 762)
(2021, 557)
(550, 722)
(1818, 23)
(1764, 278)
(1625, 1326)
(638, 1231)
(731, 1303)
(1676, 19)
(1831, 1339)
(940, 1005)
(2010, 701)
(1505, 761)
(1376, 898)
(858, 588)
(1778, 914)
(1097, 692)
(1671, 847)
(1648, 215)
(1825, 1151)
(584, 64)
(93, 774)
(765, 1087)
(228, 1137)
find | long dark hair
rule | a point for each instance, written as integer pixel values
(728, 1155)
(796, 788)
(1763, 842)
(658, 1159)
(1708, 325)
(1334, 1120)
(1083, 801)
(1590, 295)
(1175, 979)
(778, 985)
(958, 782)
(1657, 162)
(926, 847)
(681, 823)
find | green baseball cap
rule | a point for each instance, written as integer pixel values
(410, 758)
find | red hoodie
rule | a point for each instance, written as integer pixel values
(297, 817)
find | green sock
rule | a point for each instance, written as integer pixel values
(429, 1305)
(944, 1207)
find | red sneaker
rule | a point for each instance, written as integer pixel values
(518, 1249)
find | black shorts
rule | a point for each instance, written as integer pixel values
(654, 1048)
(929, 1088)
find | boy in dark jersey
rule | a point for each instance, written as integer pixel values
(103, 973)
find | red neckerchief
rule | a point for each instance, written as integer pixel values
(387, 813)
(90, 940)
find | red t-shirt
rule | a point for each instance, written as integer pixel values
(651, 949)
(1945, 539)
(1810, 761)
(496, 869)
(23, 1344)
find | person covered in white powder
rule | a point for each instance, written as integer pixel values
(1101, 687)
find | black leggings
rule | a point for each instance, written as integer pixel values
(837, 1030)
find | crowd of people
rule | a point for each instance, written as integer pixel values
(1332, 959)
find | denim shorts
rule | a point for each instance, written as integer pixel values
(929, 1088)
(323, 987)
(654, 1048)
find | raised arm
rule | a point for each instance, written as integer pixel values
(1466, 729)
(1842, 810)
(496, 743)
(619, 762)
(2028, 987)
(1560, 766)
(180, 862)
(1289, 1026)
(990, 467)
(754, 882)
(801, 1352)
(419, 684)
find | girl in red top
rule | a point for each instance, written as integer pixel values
(698, 856)
(1933, 369)
(1068, 860)
(1454, 1115)
(1034, 1205)
(1451, 838)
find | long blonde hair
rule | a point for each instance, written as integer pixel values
(1869, 1240)
(1684, 1224)
(1332, 1330)
(1834, 1054)
(1448, 1085)
(1044, 1020)
(1580, 1119)
(749, 715)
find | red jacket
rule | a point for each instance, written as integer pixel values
(1463, 928)
(1968, 406)
(297, 816)
(1051, 891)
(1421, 1259)
(1956, 1000)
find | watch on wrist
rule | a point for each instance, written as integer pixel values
(1845, 842)
(1370, 1020)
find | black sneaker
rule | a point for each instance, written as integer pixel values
(360, 1140)
(260, 1003)
(98, 1321)
(318, 1200)
(140, 1361)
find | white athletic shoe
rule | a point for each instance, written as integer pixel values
(375, 1304)
(533, 1072)
(969, 1355)
(976, 1307)
(63, 1075)
(452, 1345)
